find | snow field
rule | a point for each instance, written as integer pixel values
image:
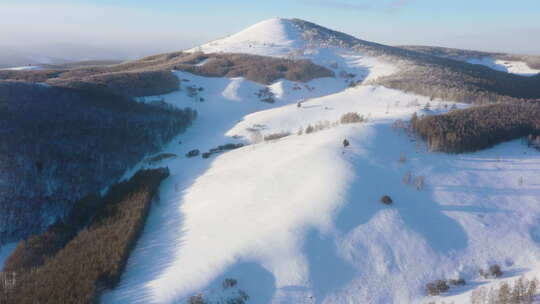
(299, 219)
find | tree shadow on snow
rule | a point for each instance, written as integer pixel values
(252, 278)
(383, 176)
(157, 248)
(328, 272)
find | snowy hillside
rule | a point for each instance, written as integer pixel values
(298, 219)
(272, 37)
(283, 38)
(524, 65)
(509, 66)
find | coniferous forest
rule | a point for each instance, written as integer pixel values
(480, 127)
(59, 145)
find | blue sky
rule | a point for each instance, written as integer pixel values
(136, 27)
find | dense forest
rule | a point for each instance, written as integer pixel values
(480, 127)
(59, 145)
(131, 84)
(43, 270)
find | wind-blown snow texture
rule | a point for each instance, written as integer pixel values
(298, 220)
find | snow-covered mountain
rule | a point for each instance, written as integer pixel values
(298, 218)
(290, 39)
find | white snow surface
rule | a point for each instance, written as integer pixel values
(299, 219)
(509, 66)
(272, 37)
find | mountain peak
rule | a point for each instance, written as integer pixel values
(280, 37)
(273, 36)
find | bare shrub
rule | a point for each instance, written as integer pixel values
(160, 157)
(193, 153)
(275, 136)
(419, 182)
(437, 287)
(495, 270)
(255, 136)
(407, 178)
(387, 200)
(398, 125)
(457, 282)
(266, 95)
(196, 299)
(240, 298)
(222, 148)
(229, 283)
(351, 117)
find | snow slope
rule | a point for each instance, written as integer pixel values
(302, 214)
(272, 37)
(514, 67)
(298, 219)
(281, 38)
(24, 68)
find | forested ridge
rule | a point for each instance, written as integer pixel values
(59, 145)
(479, 127)
(424, 73)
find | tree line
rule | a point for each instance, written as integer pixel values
(477, 128)
(41, 271)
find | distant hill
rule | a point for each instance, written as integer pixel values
(527, 65)
(434, 72)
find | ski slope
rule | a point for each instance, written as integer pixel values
(299, 219)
